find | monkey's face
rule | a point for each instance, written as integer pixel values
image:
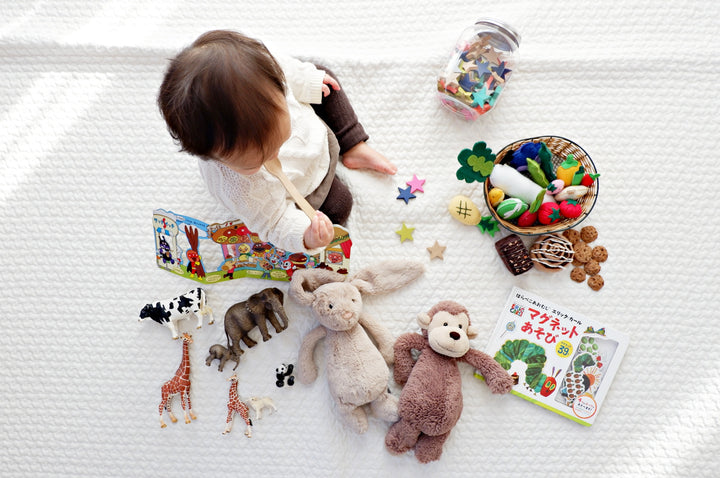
(447, 334)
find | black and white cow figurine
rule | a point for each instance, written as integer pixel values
(168, 312)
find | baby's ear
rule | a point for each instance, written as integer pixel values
(472, 332)
(423, 320)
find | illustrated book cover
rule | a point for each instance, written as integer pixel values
(560, 360)
(210, 253)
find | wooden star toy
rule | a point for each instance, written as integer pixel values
(436, 251)
(405, 233)
(416, 184)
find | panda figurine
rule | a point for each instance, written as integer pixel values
(282, 372)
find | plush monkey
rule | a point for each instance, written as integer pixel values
(431, 400)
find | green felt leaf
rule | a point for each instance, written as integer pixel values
(545, 157)
(555, 215)
(537, 202)
(570, 162)
(577, 177)
(476, 164)
(488, 225)
(536, 173)
(481, 164)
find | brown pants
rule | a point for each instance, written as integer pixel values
(338, 114)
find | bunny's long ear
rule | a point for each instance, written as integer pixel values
(386, 276)
(305, 281)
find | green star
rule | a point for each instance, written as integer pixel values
(405, 233)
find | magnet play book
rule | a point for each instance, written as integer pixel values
(217, 252)
(559, 359)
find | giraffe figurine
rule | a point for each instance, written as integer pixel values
(179, 384)
(235, 405)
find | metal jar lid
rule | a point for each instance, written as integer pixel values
(502, 27)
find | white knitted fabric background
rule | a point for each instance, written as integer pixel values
(85, 158)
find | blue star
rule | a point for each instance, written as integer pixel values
(405, 194)
(483, 68)
(501, 71)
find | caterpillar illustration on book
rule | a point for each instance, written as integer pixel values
(525, 361)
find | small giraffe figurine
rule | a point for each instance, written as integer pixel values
(179, 384)
(234, 405)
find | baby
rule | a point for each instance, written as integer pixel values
(229, 101)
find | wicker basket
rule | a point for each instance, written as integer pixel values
(560, 148)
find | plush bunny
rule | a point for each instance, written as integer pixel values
(357, 369)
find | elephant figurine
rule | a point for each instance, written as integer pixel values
(221, 353)
(259, 309)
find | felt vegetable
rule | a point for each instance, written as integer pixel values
(520, 157)
(511, 208)
(578, 176)
(545, 159)
(527, 219)
(495, 196)
(536, 173)
(476, 163)
(588, 179)
(535, 205)
(515, 184)
(570, 209)
(549, 213)
(464, 210)
(571, 192)
(555, 186)
(567, 170)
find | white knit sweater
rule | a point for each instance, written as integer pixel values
(260, 200)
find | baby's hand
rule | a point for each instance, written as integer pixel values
(329, 80)
(320, 232)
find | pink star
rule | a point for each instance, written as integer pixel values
(416, 184)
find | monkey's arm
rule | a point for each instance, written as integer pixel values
(404, 361)
(496, 377)
(307, 369)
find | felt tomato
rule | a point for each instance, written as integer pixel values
(549, 213)
(570, 209)
(527, 219)
(589, 179)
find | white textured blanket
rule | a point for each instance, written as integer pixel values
(86, 158)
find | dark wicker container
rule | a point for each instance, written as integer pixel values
(560, 148)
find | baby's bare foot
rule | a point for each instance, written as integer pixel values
(362, 156)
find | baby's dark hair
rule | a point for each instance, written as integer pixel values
(217, 94)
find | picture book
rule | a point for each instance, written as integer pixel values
(210, 253)
(559, 359)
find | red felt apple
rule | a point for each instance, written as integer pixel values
(570, 209)
(549, 213)
(527, 219)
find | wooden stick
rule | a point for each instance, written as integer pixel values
(275, 168)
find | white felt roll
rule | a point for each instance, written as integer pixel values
(516, 185)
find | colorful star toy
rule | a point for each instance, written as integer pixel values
(405, 233)
(416, 184)
(436, 251)
(406, 194)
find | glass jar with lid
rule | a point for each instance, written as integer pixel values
(479, 68)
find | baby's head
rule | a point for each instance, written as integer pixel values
(223, 97)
